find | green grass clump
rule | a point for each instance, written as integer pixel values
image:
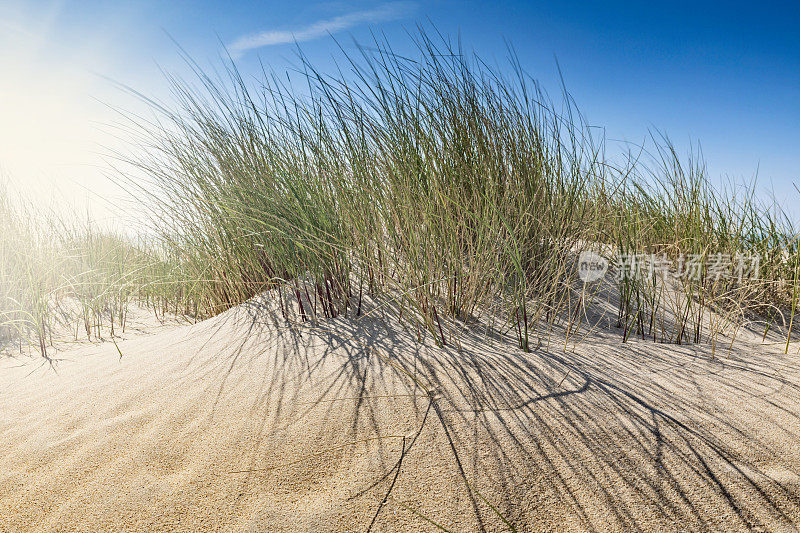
(435, 182)
(65, 280)
(451, 190)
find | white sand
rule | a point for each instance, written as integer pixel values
(238, 423)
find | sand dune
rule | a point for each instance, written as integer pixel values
(240, 423)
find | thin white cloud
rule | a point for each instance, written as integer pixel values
(383, 13)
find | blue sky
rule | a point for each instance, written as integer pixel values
(724, 74)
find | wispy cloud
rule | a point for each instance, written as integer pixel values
(382, 13)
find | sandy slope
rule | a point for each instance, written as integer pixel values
(239, 423)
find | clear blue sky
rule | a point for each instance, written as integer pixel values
(726, 74)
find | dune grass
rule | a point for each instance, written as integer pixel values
(458, 192)
(452, 190)
(62, 280)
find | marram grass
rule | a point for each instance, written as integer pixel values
(457, 193)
